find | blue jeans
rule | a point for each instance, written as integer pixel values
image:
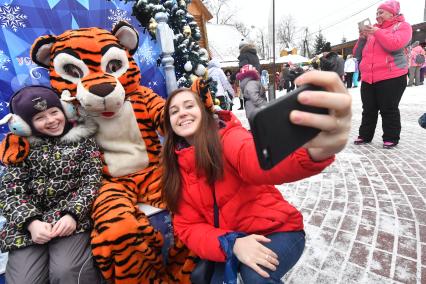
(288, 246)
(162, 222)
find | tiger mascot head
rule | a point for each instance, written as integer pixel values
(91, 65)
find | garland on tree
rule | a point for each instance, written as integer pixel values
(190, 59)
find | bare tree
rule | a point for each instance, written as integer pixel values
(261, 42)
(256, 36)
(286, 30)
(222, 10)
(305, 44)
(242, 28)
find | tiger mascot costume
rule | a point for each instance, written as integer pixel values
(95, 68)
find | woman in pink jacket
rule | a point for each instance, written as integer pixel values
(416, 64)
(206, 156)
(384, 68)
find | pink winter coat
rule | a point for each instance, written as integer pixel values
(383, 53)
(247, 200)
(414, 52)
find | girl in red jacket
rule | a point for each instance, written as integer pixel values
(206, 154)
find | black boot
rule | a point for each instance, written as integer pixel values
(241, 103)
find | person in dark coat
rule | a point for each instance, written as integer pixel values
(331, 61)
(248, 55)
(284, 77)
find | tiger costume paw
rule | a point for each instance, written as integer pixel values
(14, 149)
(201, 87)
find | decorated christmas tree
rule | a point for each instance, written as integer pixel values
(190, 59)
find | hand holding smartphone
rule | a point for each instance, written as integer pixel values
(364, 23)
(275, 137)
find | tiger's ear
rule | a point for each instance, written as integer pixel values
(40, 51)
(127, 35)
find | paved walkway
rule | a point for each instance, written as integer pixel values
(365, 216)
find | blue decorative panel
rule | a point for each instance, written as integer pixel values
(22, 21)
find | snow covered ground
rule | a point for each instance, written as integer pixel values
(365, 216)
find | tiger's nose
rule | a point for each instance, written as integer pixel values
(101, 90)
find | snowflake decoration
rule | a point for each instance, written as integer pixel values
(152, 84)
(3, 61)
(11, 17)
(118, 15)
(146, 55)
(3, 105)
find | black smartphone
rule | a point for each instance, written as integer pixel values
(274, 135)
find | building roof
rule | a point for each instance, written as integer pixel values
(223, 42)
(202, 9)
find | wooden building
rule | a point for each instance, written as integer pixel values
(419, 33)
(344, 48)
(201, 15)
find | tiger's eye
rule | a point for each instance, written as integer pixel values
(73, 71)
(113, 66)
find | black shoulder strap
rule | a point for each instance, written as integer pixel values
(215, 209)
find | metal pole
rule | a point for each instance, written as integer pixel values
(424, 15)
(272, 94)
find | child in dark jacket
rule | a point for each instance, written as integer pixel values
(47, 199)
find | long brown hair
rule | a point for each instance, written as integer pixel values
(208, 152)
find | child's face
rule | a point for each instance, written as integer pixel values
(185, 115)
(50, 122)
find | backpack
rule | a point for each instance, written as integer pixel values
(419, 59)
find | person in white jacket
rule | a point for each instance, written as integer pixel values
(350, 68)
(225, 93)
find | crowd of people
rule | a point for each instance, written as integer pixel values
(384, 68)
(224, 207)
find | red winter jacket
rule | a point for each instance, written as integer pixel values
(248, 202)
(383, 53)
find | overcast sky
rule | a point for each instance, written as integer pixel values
(322, 14)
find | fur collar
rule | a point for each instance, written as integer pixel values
(83, 130)
(251, 48)
(252, 74)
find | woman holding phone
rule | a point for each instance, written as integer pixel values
(210, 156)
(384, 68)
